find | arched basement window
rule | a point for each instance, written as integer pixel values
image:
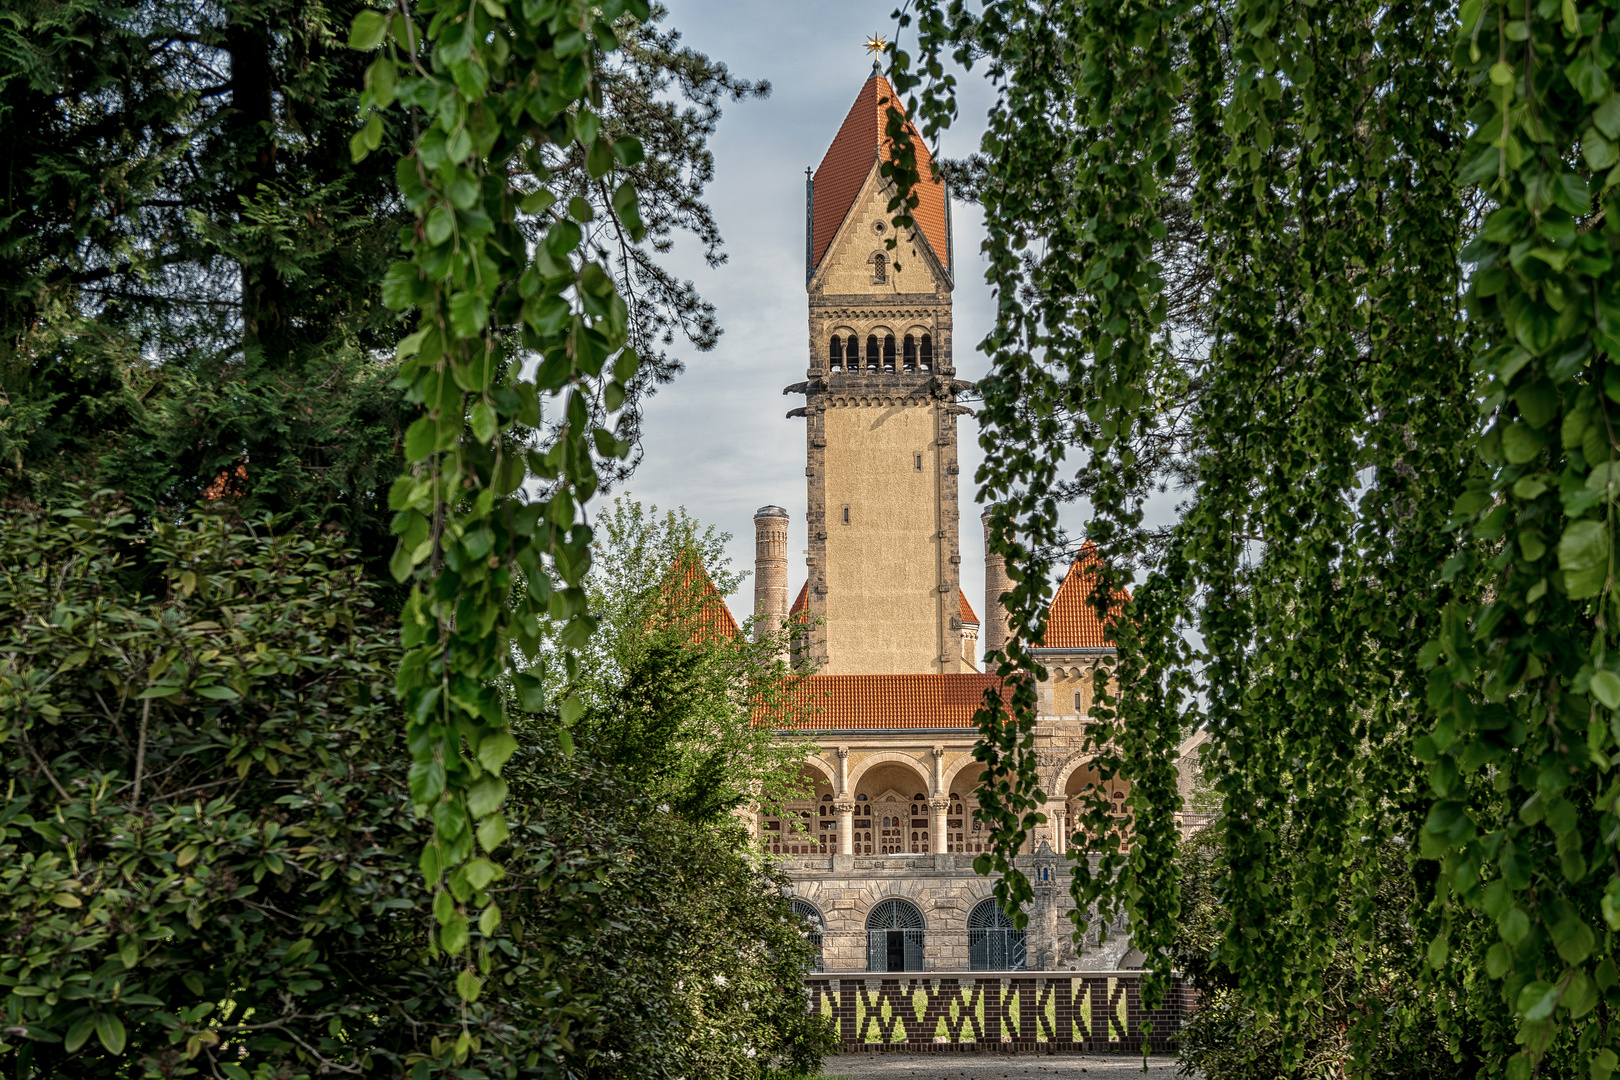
(927, 353)
(908, 353)
(814, 927)
(872, 361)
(888, 353)
(894, 937)
(835, 355)
(993, 943)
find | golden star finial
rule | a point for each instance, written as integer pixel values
(875, 44)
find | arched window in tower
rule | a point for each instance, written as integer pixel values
(927, 353)
(908, 353)
(888, 353)
(835, 355)
(872, 361)
(880, 269)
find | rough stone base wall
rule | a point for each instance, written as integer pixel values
(944, 888)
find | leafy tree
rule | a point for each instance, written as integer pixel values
(1365, 991)
(1397, 548)
(210, 860)
(675, 689)
(190, 261)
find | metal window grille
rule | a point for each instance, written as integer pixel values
(814, 927)
(993, 943)
(894, 937)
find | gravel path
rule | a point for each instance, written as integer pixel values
(996, 1067)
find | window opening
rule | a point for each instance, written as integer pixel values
(872, 361)
(894, 937)
(919, 463)
(846, 513)
(1077, 701)
(927, 353)
(908, 353)
(994, 944)
(814, 927)
(880, 270)
(835, 356)
(888, 353)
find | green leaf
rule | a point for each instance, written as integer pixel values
(469, 313)
(367, 30)
(1598, 152)
(492, 832)
(217, 693)
(468, 985)
(110, 1030)
(1606, 688)
(1537, 1001)
(1604, 1062)
(495, 749)
(484, 423)
(1588, 78)
(421, 439)
(79, 1034)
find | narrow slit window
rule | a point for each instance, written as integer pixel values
(1077, 702)
(846, 513)
(919, 463)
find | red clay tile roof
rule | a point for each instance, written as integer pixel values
(1072, 622)
(968, 615)
(833, 702)
(849, 159)
(714, 617)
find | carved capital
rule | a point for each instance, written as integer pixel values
(843, 752)
(939, 751)
(939, 806)
(845, 806)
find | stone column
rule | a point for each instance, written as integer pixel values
(939, 770)
(770, 570)
(843, 770)
(845, 809)
(937, 808)
(996, 582)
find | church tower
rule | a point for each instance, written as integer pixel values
(880, 408)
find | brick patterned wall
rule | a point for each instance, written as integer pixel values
(1038, 1012)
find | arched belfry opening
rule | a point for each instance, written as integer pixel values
(894, 937)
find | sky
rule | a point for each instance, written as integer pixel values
(717, 440)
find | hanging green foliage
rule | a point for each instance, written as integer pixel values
(488, 91)
(1397, 544)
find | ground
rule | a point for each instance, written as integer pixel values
(995, 1066)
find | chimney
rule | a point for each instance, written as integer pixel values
(770, 570)
(996, 582)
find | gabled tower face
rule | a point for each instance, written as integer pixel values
(881, 413)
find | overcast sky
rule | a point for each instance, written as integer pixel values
(717, 440)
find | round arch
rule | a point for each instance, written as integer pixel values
(951, 771)
(829, 774)
(899, 757)
(894, 936)
(994, 944)
(1060, 782)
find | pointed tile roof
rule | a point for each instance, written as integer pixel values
(1072, 622)
(713, 617)
(845, 702)
(803, 602)
(850, 158)
(968, 614)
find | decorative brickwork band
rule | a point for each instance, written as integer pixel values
(1042, 1012)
